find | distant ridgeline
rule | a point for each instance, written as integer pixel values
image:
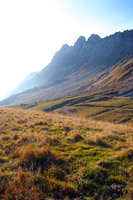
(87, 66)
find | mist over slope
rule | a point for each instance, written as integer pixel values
(23, 84)
(88, 65)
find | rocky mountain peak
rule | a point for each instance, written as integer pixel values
(80, 41)
(65, 47)
(94, 38)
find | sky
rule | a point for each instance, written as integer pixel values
(31, 31)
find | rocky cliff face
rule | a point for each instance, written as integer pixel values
(81, 65)
(95, 52)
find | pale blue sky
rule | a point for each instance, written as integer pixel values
(112, 15)
(31, 31)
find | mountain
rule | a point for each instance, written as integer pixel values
(87, 66)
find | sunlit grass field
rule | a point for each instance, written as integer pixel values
(51, 156)
(97, 106)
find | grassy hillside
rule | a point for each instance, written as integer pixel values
(50, 156)
(101, 105)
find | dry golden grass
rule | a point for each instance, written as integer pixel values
(50, 156)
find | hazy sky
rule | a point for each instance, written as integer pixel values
(31, 31)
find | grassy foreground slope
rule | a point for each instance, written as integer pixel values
(49, 156)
